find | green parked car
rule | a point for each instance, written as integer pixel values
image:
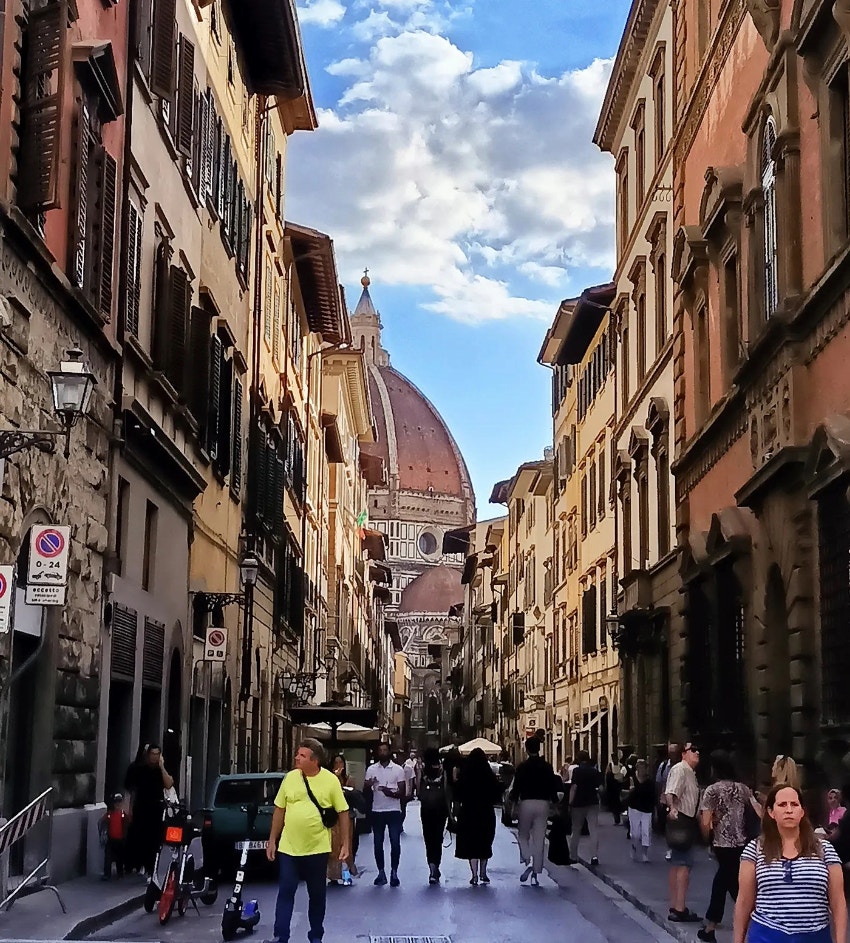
(236, 800)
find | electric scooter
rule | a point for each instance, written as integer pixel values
(241, 914)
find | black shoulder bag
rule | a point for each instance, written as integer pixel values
(329, 816)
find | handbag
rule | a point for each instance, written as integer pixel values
(680, 832)
(329, 816)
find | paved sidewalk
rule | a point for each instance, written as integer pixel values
(91, 903)
(645, 885)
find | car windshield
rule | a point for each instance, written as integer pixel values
(243, 791)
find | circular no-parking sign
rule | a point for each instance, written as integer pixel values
(49, 544)
(4, 586)
(215, 639)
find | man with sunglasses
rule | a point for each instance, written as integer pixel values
(682, 794)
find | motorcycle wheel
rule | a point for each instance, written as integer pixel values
(166, 901)
(151, 897)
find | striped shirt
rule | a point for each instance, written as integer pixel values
(792, 894)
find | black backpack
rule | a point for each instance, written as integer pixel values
(432, 794)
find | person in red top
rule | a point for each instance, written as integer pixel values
(114, 831)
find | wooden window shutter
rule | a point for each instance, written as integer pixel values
(278, 515)
(134, 266)
(178, 327)
(80, 236)
(185, 96)
(226, 192)
(225, 418)
(221, 170)
(236, 465)
(270, 489)
(42, 98)
(233, 207)
(214, 395)
(267, 303)
(199, 375)
(257, 473)
(162, 77)
(276, 322)
(198, 139)
(108, 197)
(161, 307)
(207, 147)
(278, 189)
(246, 247)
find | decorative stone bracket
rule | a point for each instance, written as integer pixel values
(765, 17)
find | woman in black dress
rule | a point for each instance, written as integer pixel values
(146, 781)
(477, 791)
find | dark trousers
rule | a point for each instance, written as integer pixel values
(391, 821)
(725, 882)
(433, 828)
(312, 869)
(113, 853)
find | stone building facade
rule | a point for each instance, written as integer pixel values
(635, 126)
(56, 293)
(760, 255)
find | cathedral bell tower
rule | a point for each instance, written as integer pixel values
(366, 327)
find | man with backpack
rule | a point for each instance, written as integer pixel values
(433, 810)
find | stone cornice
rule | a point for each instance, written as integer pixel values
(632, 47)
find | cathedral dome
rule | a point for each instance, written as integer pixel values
(435, 591)
(418, 450)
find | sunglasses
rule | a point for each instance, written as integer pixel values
(788, 874)
(691, 750)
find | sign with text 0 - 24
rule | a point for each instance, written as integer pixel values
(216, 647)
(47, 576)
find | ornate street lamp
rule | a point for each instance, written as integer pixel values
(72, 386)
(249, 570)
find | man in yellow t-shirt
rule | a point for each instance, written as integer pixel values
(301, 842)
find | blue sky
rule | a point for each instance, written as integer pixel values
(454, 159)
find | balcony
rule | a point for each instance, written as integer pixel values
(637, 591)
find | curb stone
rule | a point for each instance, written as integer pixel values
(93, 924)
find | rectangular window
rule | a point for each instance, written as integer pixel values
(662, 464)
(583, 506)
(640, 340)
(659, 108)
(163, 49)
(591, 497)
(602, 502)
(267, 305)
(589, 620)
(624, 365)
(276, 322)
(660, 303)
(149, 551)
(185, 106)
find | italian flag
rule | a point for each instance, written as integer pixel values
(361, 522)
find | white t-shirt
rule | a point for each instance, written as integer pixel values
(410, 775)
(393, 777)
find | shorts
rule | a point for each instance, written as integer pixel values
(682, 859)
(759, 933)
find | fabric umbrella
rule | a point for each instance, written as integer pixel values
(479, 743)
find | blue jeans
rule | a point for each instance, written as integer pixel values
(758, 933)
(312, 869)
(391, 821)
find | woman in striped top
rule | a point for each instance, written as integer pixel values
(791, 884)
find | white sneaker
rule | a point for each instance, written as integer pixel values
(668, 856)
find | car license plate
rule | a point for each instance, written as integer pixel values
(250, 845)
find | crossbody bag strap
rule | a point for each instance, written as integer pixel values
(310, 794)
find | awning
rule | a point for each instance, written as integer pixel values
(499, 494)
(345, 733)
(457, 541)
(593, 722)
(374, 542)
(333, 714)
(317, 277)
(391, 628)
(380, 573)
(373, 468)
(382, 593)
(469, 568)
(583, 322)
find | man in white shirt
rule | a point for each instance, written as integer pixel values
(388, 783)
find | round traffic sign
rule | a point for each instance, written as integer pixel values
(50, 543)
(4, 585)
(216, 638)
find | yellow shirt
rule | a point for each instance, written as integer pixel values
(303, 832)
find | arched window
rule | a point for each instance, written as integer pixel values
(768, 183)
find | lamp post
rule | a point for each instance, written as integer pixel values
(72, 386)
(249, 570)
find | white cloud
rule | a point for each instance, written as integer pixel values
(462, 180)
(322, 13)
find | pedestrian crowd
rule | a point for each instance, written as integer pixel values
(779, 859)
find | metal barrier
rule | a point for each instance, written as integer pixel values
(14, 830)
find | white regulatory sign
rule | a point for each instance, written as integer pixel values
(48, 556)
(216, 647)
(7, 587)
(40, 595)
